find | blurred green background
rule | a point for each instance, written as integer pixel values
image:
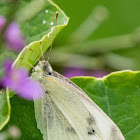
(112, 40)
(123, 18)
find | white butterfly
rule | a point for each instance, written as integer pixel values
(67, 113)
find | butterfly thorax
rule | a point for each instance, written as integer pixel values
(42, 69)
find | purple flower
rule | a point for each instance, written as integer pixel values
(19, 81)
(75, 71)
(13, 37)
(31, 90)
(99, 73)
(7, 64)
(2, 22)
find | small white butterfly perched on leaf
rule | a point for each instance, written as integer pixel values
(66, 112)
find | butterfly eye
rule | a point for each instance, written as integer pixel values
(49, 73)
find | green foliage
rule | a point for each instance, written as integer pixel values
(120, 32)
(23, 117)
(35, 29)
(118, 94)
(40, 18)
(5, 108)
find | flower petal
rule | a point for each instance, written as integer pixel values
(18, 81)
(7, 65)
(14, 38)
(30, 90)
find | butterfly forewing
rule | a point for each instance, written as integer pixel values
(67, 113)
(53, 124)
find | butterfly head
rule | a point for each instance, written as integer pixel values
(44, 67)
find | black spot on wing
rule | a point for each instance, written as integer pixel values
(91, 131)
(71, 130)
(115, 135)
(91, 120)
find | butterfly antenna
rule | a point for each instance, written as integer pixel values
(41, 51)
(53, 35)
(29, 64)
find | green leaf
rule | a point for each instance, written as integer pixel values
(23, 117)
(37, 19)
(5, 108)
(36, 30)
(118, 94)
(31, 15)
